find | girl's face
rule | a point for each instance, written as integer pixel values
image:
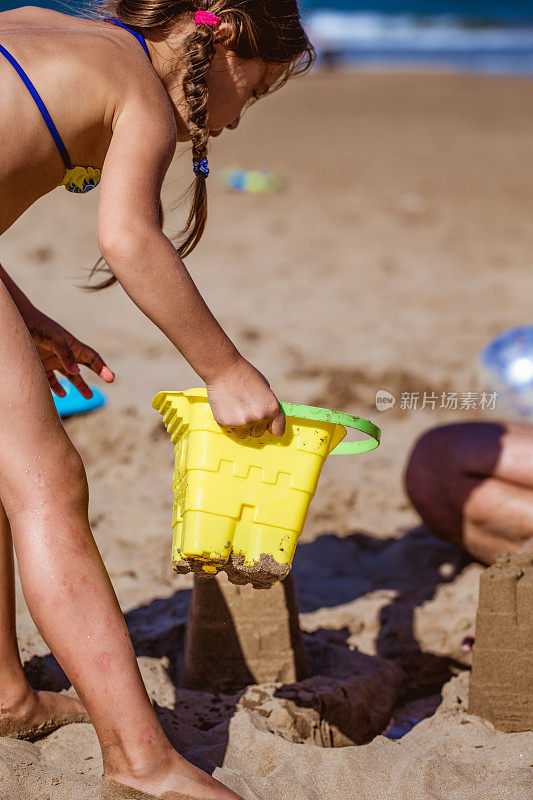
(231, 82)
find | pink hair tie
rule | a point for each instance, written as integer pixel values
(206, 18)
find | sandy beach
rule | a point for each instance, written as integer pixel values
(399, 245)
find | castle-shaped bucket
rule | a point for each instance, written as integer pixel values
(240, 503)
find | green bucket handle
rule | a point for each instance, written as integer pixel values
(339, 418)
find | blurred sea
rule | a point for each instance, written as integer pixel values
(475, 35)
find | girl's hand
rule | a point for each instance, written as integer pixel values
(60, 351)
(242, 398)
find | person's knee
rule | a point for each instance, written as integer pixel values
(446, 456)
(445, 465)
(58, 483)
(433, 456)
(71, 481)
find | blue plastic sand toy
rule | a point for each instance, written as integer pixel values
(74, 402)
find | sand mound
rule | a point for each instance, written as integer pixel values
(449, 756)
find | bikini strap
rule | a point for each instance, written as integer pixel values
(140, 38)
(41, 106)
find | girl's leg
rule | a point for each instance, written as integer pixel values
(472, 483)
(23, 712)
(44, 492)
(12, 679)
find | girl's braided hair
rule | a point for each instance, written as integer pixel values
(267, 29)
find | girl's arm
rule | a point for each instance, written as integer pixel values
(149, 269)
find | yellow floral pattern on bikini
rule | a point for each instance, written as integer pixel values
(81, 179)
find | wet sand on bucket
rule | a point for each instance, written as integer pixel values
(399, 245)
(261, 574)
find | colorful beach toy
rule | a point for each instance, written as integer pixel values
(74, 402)
(252, 181)
(240, 504)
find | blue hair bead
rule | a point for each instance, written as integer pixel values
(200, 166)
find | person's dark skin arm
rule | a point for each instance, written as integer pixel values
(58, 349)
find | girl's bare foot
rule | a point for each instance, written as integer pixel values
(174, 779)
(37, 714)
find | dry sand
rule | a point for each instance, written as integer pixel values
(401, 243)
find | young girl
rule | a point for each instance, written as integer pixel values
(113, 95)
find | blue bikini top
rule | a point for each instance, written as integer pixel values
(76, 179)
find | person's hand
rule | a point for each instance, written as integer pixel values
(241, 398)
(60, 351)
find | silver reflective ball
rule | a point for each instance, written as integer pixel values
(507, 368)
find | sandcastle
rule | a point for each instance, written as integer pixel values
(238, 636)
(246, 641)
(501, 686)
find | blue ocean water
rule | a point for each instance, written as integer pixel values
(488, 36)
(517, 10)
(475, 35)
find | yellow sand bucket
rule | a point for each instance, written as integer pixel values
(240, 504)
